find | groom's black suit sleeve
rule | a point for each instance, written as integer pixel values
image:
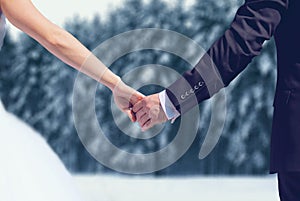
(254, 23)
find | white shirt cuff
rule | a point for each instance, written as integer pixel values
(168, 107)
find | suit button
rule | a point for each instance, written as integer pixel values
(182, 97)
(201, 84)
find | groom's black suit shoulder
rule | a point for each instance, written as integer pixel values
(255, 22)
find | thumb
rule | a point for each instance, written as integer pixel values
(136, 97)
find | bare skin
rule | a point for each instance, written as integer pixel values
(25, 16)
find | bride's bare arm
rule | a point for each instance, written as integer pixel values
(24, 15)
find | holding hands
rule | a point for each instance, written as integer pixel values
(125, 98)
(147, 111)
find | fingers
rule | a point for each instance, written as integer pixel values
(145, 118)
(131, 115)
(146, 111)
(140, 114)
(149, 124)
(138, 106)
(142, 117)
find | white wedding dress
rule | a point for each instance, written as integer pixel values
(29, 169)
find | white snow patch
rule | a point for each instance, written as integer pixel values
(114, 188)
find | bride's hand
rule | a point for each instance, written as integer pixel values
(125, 98)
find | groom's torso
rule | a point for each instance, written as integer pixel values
(287, 38)
(285, 144)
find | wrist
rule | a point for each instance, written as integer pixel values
(114, 82)
(111, 80)
(168, 108)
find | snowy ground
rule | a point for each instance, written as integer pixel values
(113, 188)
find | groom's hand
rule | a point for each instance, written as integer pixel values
(149, 112)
